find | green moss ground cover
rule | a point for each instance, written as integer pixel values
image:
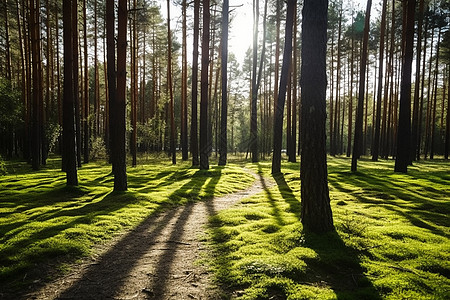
(391, 240)
(44, 222)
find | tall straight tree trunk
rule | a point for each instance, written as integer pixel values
(184, 108)
(376, 139)
(194, 90)
(29, 117)
(447, 127)
(357, 142)
(134, 86)
(350, 101)
(69, 152)
(422, 92)
(332, 142)
(46, 106)
(254, 99)
(204, 140)
(336, 138)
(316, 212)
(96, 120)
(111, 74)
(24, 137)
(170, 86)
(58, 76)
(279, 7)
(224, 109)
(433, 118)
(86, 89)
(7, 42)
(404, 122)
(120, 169)
(36, 137)
(76, 98)
(285, 76)
(292, 155)
(107, 109)
(415, 116)
(429, 96)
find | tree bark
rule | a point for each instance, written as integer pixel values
(433, 119)
(254, 99)
(376, 141)
(111, 74)
(76, 98)
(7, 42)
(293, 152)
(194, 93)
(224, 109)
(316, 212)
(120, 168)
(357, 142)
(285, 76)
(170, 86)
(204, 140)
(134, 87)
(36, 137)
(184, 108)
(404, 122)
(69, 153)
(415, 116)
(447, 127)
(86, 90)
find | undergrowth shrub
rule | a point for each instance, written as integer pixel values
(2, 166)
(98, 148)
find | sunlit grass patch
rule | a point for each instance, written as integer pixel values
(44, 222)
(391, 240)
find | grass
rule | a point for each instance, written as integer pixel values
(391, 239)
(44, 223)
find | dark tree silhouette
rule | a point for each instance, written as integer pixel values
(357, 141)
(69, 153)
(194, 92)
(415, 146)
(254, 98)
(184, 108)
(376, 139)
(120, 168)
(223, 121)
(404, 122)
(285, 76)
(204, 140)
(170, 87)
(316, 212)
(36, 129)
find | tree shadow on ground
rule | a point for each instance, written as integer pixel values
(105, 278)
(399, 197)
(338, 267)
(335, 267)
(288, 195)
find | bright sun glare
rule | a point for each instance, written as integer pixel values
(241, 26)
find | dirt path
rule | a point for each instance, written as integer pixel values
(157, 260)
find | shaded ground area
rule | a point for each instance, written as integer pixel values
(157, 260)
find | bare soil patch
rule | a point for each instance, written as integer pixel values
(156, 260)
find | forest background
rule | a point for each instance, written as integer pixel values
(148, 119)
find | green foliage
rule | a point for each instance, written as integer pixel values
(98, 148)
(42, 221)
(391, 239)
(52, 133)
(10, 106)
(2, 166)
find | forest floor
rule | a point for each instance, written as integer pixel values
(160, 259)
(230, 232)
